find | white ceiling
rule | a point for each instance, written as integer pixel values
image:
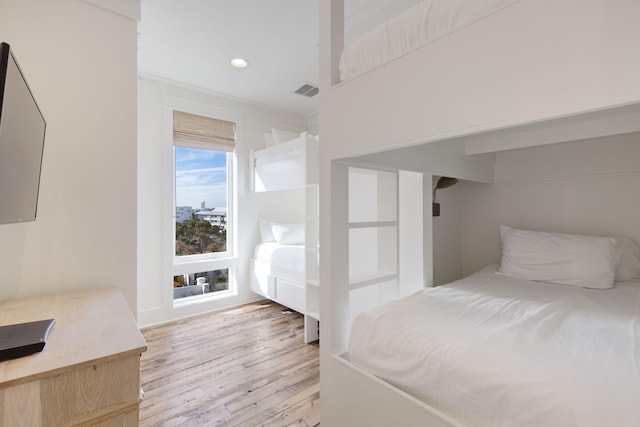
(192, 42)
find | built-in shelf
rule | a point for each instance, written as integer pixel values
(373, 229)
(372, 195)
(371, 224)
(371, 250)
(372, 278)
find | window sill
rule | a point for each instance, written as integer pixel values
(199, 299)
(186, 267)
(195, 259)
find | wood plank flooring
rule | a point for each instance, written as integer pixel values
(245, 366)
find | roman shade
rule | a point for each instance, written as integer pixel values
(203, 132)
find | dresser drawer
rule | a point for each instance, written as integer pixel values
(291, 294)
(82, 396)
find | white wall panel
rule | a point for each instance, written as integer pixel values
(447, 238)
(549, 189)
(80, 62)
(413, 274)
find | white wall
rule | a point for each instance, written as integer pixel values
(447, 259)
(585, 187)
(588, 187)
(313, 124)
(602, 205)
(80, 62)
(155, 303)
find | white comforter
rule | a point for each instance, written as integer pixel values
(421, 24)
(493, 351)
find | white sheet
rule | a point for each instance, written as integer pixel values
(288, 256)
(489, 350)
(421, 24)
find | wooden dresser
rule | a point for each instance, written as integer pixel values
(89, 370)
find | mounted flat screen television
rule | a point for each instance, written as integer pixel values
(22, 129)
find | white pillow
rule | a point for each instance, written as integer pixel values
(566, 259)
(629, 266)
(288, 234)
(268, 140)
(266, 235)
(280, 136)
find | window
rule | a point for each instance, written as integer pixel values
(201, 187)
(201, 283)
(203, 206)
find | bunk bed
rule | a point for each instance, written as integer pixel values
(543, 353)
(534, 100)
(284, 266)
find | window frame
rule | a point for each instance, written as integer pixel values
(185, 264)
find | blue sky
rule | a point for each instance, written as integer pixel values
(200, 176)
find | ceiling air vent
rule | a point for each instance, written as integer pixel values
(308, 90)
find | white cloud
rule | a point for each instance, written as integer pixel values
(200, 176)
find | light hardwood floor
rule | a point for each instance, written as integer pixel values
(246, 366)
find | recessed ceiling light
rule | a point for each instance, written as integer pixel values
(239, 62)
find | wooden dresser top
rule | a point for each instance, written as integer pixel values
(92, 326)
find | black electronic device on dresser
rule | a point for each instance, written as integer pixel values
(23, 339)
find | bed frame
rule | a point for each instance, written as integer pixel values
(532, 76)
(291, 166)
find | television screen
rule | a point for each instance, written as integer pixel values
(22, 129)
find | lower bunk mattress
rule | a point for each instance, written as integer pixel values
(290, 257)
(281, 268)
(490, 350)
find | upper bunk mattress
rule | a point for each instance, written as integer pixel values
(489, 350)
(419, 25)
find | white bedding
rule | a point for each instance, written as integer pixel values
(421, 24)
(489, 350)
(287, 256)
